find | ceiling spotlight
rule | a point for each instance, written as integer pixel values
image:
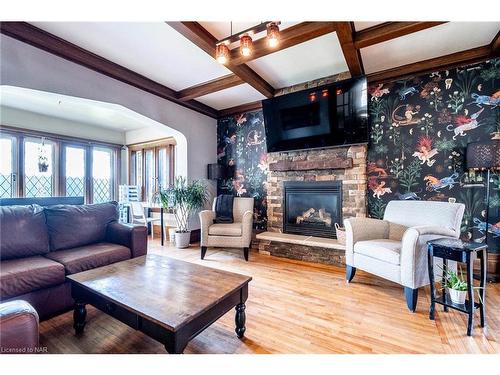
(222, 53)
(273, 34)
(246, 44)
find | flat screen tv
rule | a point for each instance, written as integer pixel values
(324, 116)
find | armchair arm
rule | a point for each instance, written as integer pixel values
(206, 219)
(135, 237)
(361, 229)
(247, 228)
(414, 272)
(18, 327)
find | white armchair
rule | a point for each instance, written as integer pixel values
(395, 248)
(237, 234)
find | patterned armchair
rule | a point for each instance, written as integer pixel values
(395, 248)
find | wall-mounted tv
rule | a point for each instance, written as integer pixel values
(324, 116)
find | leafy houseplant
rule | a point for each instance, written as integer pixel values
(185, 199)
(457, 286)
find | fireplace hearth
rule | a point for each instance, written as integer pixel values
(312, 207)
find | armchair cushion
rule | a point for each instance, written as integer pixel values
(385, 250)
(231, 229)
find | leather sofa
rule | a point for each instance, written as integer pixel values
(18, 328)
(39, 246)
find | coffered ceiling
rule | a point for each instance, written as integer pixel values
(175, 60)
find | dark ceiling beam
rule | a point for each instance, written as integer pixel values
(289, 37)
(389, 30)
(208, 87)
(199, 36)
(240, 109)
(438, 63)
(495, 45)
(345, 33)
(41, 39)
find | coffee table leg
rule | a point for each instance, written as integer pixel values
(240, 320)
(79, 315)
(175, 347)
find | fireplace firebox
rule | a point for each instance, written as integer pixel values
(312, 207)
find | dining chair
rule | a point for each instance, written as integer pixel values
(138, 216)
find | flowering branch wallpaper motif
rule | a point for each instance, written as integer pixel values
(241, 147)
(420, 129)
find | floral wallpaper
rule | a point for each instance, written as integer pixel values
(420, 128)
(241, 147)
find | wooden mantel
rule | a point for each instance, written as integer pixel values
(308, 165)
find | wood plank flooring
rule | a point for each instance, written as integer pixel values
(297, 307)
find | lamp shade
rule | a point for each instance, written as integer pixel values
(483, 155)
(215, 171)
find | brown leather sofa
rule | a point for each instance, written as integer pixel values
(39, 246)
(18, 328)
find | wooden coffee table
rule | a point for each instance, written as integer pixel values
(169, 300)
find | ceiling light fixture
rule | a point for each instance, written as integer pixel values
(222, 53)
(273, 34)
(244, 37)
(246, 44)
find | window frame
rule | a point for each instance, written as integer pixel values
(21, 135)
(155, 147)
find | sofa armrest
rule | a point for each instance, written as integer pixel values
(135, 237)
(247, 228)
(414, 272)
(361, 229)
(18, 327)
(206, 219)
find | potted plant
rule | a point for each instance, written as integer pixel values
(185, 199)
(457, 287)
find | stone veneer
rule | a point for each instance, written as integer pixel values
(353, 190)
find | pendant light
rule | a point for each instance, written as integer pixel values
(222, 53)
(273, 34)
(246, 45)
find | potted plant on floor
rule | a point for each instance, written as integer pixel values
(185, 199)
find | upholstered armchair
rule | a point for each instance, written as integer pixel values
(237, 234)
(395, 248)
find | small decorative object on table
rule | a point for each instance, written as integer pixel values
(465, 252)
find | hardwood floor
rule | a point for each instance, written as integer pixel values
(297, 307)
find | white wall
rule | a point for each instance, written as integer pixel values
(25, 66)
(35, 121)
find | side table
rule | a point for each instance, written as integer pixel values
(459, 251)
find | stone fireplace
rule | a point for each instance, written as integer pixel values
(342, 168)
(312, 207)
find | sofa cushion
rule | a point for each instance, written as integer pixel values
(385, 250)
(23, 232)
(233, 229)
(91, 256)
(24, 275)
(72, 226)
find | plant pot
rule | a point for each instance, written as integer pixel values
(457, 296)
(182, 239)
